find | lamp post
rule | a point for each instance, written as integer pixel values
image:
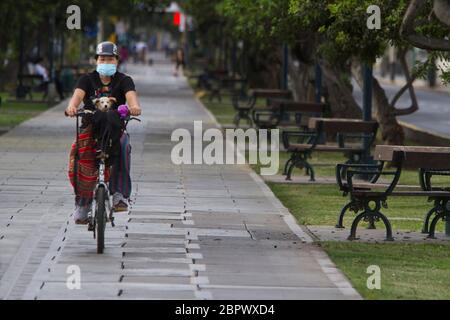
(318, 83)
(20, 91)
(367, 104)
(284, 75)
(51, 90)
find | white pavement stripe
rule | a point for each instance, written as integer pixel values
(335, 275)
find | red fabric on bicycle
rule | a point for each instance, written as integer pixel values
(87, 171)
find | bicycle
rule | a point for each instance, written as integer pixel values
(102, 211)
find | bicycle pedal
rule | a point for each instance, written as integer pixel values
(111, 219)
(91, 226)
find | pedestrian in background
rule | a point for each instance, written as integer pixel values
(179, 61)
(124, 54)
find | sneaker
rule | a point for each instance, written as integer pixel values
(119, 202)
(121, 206)
(81, 215)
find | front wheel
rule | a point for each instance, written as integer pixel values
(100, 218)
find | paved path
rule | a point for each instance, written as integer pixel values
(194, 231)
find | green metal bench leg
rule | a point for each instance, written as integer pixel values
(360, 216)
(355, 223)
(309, 170)
(286, 165)
(340, 223)
(289, 170)
(289, 167)
(371, 215)
(236, 119)
(300, 161)
(241, 114)
(387, 224)
(426, 222)
(249, 120)
(435, 220)
(215, 93)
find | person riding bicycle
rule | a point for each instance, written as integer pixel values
(105, 81)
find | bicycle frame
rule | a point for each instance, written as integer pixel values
(101, 182)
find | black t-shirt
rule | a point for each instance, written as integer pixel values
(91, 84)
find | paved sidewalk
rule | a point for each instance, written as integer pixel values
(193, 232)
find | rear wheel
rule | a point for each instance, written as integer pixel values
(100, 218)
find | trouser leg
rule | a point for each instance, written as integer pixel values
(120, 180)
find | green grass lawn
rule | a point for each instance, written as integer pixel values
(223, 111)
(408, 271)
(12, 114)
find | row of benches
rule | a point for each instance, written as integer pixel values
(309, 131)
(27, 84)
(215, 81)
(353, 138)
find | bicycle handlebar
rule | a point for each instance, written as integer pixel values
(132, 118)
(80, 112)
(87, 111)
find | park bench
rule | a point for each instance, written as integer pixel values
(366, 199)
(353, 138)
(244, 105)
(29, 83)
(221, 82)
(235, 85)
(274, 116)
(197, 64)
(70, 73)
(211, 80)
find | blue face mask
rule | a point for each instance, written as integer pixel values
(106, 69)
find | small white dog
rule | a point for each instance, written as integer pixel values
(103, 104)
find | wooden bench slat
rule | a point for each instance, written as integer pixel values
(403, 193)
(368, 185)
(325, 147)
(330, 125)
(437, 158)
(297, 106)
(271, 93)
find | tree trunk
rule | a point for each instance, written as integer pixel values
(9, 76)
(391, 132)
(300, 79)
(441, 9)
(407, 29)
(339, 93)
(264, 69)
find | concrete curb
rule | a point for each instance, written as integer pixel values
(440, 89)
(423, 136)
